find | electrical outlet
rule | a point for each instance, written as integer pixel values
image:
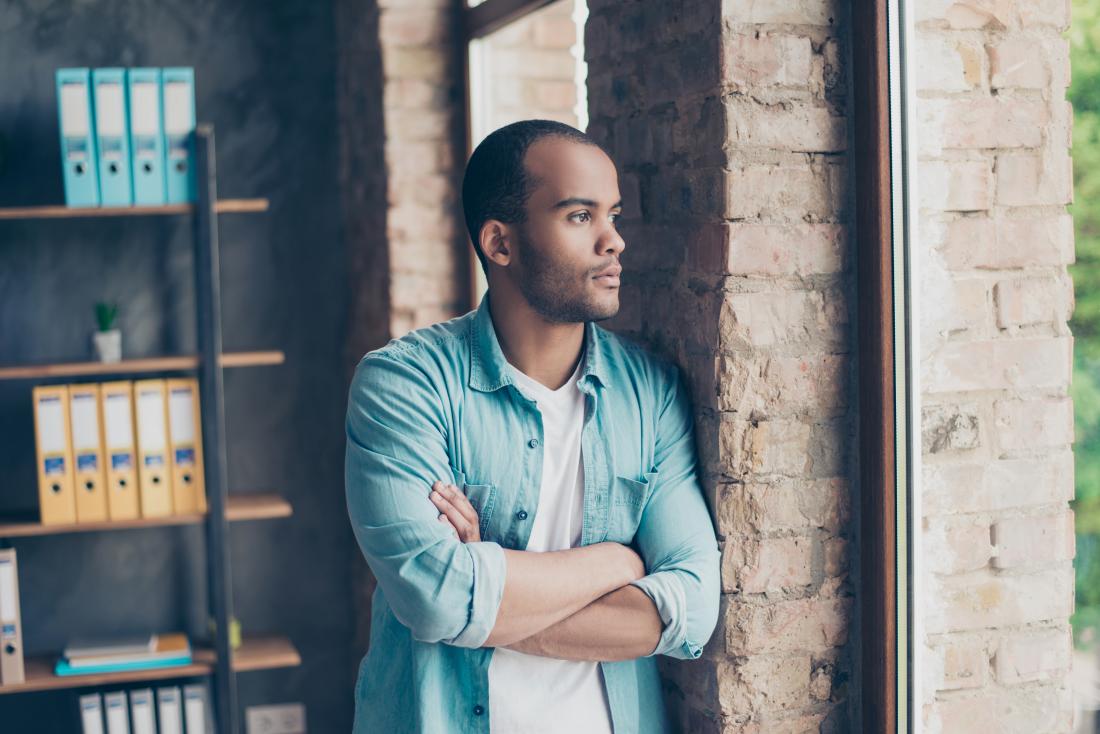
(286, 718)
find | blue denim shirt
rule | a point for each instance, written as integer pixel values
(438, 403)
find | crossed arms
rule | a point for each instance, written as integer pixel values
(549, 606)
(596, 602)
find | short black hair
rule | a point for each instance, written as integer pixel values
(496, 184)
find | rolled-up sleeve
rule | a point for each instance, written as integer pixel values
(442, 589)
(676, 537)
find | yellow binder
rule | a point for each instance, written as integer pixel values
(55, 457)
(117, 414)
(185, 446)
(152, 448)
(85, 431)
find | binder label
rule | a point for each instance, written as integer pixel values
(110, 149)
(8, 630)
(185, 457)
(154, 460)
(76, 150)
(75, 122)
(121, 461)
(54, 465)
(86, 462)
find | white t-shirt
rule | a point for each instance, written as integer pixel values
(530, 694)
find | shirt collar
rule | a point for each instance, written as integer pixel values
(487, 361)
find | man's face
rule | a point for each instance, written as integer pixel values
(569, 238)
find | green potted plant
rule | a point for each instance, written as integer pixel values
(108, 340)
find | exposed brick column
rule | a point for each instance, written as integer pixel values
(425, 151)
(997, 424)
(728, 124)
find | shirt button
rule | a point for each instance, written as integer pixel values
(533, 442)
(478, 710)
(522, 514)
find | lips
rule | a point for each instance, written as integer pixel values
(611, 279)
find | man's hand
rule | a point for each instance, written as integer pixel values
(455, 510)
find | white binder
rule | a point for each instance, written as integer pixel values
(118, 720)
(11, 630)
(168, 710)
(91, 714)
(194, 709)
(141, 711)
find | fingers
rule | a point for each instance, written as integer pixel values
(458, 500)
(456, 508)
(457, 520)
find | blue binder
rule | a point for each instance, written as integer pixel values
(77, 124)
(146, 136)
(112, 137)
(179, 133)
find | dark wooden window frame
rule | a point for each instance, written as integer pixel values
(881, 418)
(885, 476)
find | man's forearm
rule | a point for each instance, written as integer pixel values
(621, 625)
(541, 589)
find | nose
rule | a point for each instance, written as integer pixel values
(611, 242)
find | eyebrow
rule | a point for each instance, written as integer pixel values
(578, 201)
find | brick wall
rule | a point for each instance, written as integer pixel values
(996, 423)
(727, 122)
(425, 151)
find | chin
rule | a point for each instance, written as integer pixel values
(606, 310)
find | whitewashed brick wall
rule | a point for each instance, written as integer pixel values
(997, 426)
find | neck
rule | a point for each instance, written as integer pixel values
(545, 351)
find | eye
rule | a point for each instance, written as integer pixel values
(580, 214)
(615, 216)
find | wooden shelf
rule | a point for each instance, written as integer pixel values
(130, 366)
(223, 206)
(241, 507)
(255, 653)
(264, 653)
(257, 506)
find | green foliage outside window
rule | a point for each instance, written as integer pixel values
(1084, 94)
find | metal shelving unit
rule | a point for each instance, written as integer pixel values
(219, 661)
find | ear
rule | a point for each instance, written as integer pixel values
(496, 242)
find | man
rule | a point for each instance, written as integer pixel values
(523, 483)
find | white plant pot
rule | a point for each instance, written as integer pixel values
(108, 345)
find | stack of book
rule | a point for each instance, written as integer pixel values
(115, 655)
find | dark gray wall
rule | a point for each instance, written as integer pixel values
(265, 77)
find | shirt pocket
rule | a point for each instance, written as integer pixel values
(483, 498)
(628, 499)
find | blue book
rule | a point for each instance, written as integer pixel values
(63, 668)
